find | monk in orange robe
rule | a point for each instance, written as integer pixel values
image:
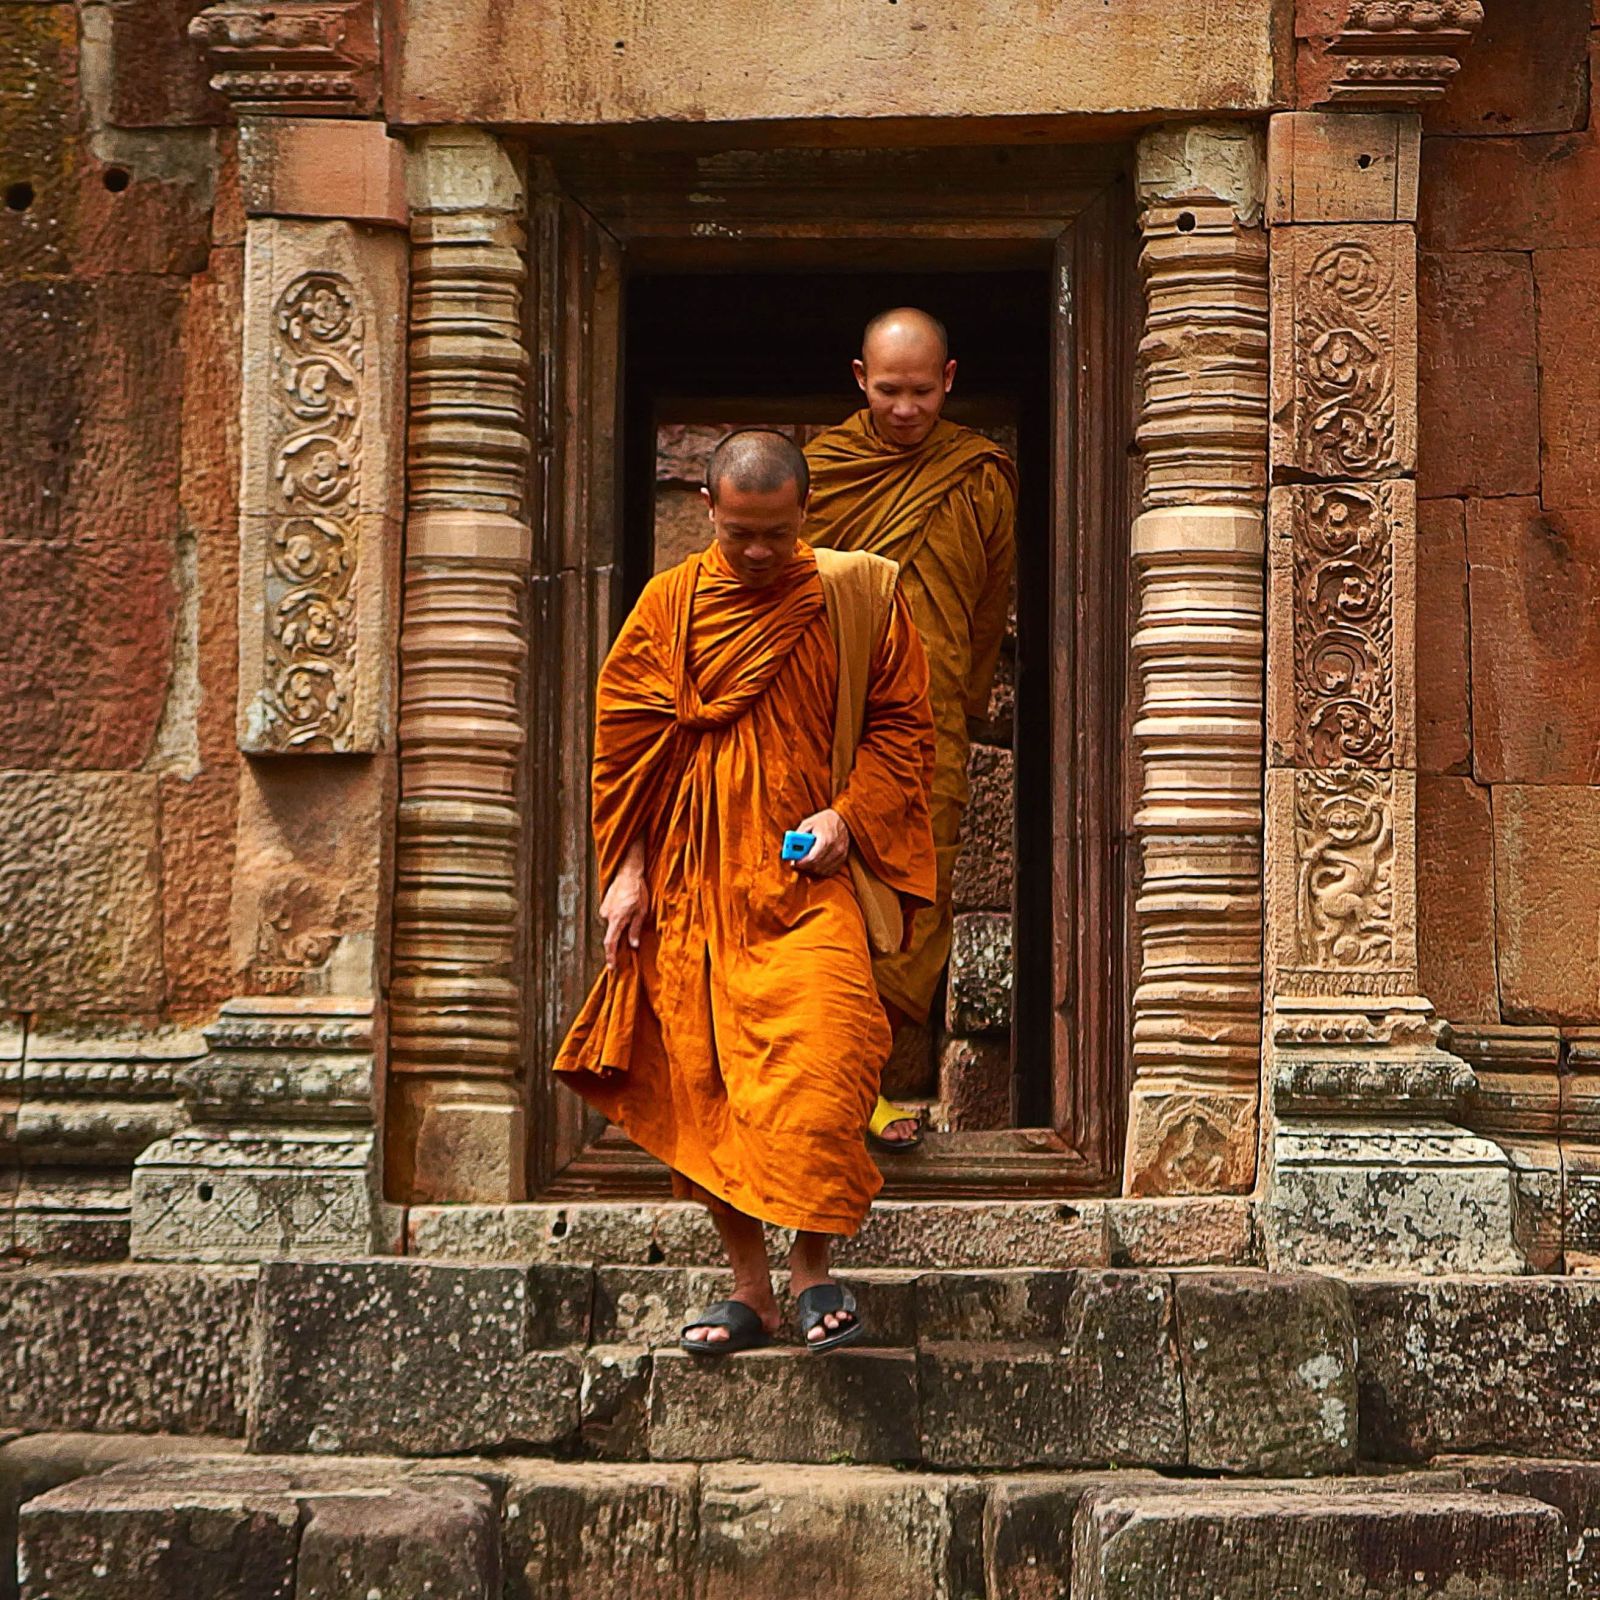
(736, 1033)
(939, 499)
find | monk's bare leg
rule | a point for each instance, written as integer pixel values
(808, 1266)
(746, 1245)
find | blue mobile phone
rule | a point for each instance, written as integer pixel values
(797, 846)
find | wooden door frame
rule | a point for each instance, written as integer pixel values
(596, 211)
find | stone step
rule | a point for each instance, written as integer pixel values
(268, 1528)
(1241, 1372)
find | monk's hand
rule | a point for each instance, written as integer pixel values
(626, 907)
(832, 848)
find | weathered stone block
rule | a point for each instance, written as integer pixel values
(115, 1535)
(327, 168)
(1455, 899)
(1210, 1543)
(980, 974)
(1535, 578)
(416, 1357)
(1572, 1487)
(791, 1533)
(80, 865)
(1049, 1369)
(975, 1083)
(33, 1465)
(1510, 194)
(1443, 692)
(157, 79)
(785, 1405)
(985, 869)
(978, 1233)
(197, 837)
(1525, 73)
(440, 1539)
(614, 1401)
(1269, 1372)
(1342, 166)
(1478, 1366)
(1547, 901)
(575, 1531)
(1190, 1231)
(1569, 374)
(1027, 1530)
(681, 525)
(1478, 375)
(126, 1349)
(674, 1233)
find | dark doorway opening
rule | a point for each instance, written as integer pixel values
(705, 352)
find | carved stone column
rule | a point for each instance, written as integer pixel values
(456, 1122)
(1371, 1168)
(1197, 648)
(280, 1156)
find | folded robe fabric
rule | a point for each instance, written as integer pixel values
(945, 512)
(742, 1042)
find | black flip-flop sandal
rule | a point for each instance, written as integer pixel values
(745, 1330)
(822, 1300)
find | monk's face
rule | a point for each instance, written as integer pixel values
(905, 378)
(757, 530)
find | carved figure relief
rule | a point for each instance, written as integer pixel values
(1344, 844)
(1343, 628)
(305, 702)
(1345, 360)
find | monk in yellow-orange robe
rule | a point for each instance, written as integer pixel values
(742, 1040)
(944, 508)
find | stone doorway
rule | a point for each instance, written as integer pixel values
(667, 329)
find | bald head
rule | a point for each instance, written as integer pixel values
(757, 461)
(905, 371)
(905, 333)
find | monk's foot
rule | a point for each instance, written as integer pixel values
(827, 1311)
(902, 1132)
(765, 1308)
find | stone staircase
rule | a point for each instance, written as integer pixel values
(475, 1427)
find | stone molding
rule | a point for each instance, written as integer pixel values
(279, 1157)
(1394, 54)
(292, 57)
(457, 1127)
(1197, 649)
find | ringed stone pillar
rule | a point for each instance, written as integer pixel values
(279, 1156)
(1198, 649)
(456, 1123)
(1370, 1167)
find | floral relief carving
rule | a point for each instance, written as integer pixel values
(1344, 628)
(1344, 844)
(316, 429)
(1346, 362)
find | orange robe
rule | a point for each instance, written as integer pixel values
(945, 510)
(742, 1042)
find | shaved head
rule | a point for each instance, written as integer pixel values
(905, 371)
(757, 461)
(905, 331)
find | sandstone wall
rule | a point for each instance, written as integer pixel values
(1508, 670)
(121, 245)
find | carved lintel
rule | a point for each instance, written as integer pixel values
(1395, 53)
(292, 57)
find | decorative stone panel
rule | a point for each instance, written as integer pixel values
(321, 488)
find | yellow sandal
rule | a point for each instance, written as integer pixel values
(884, 1115)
